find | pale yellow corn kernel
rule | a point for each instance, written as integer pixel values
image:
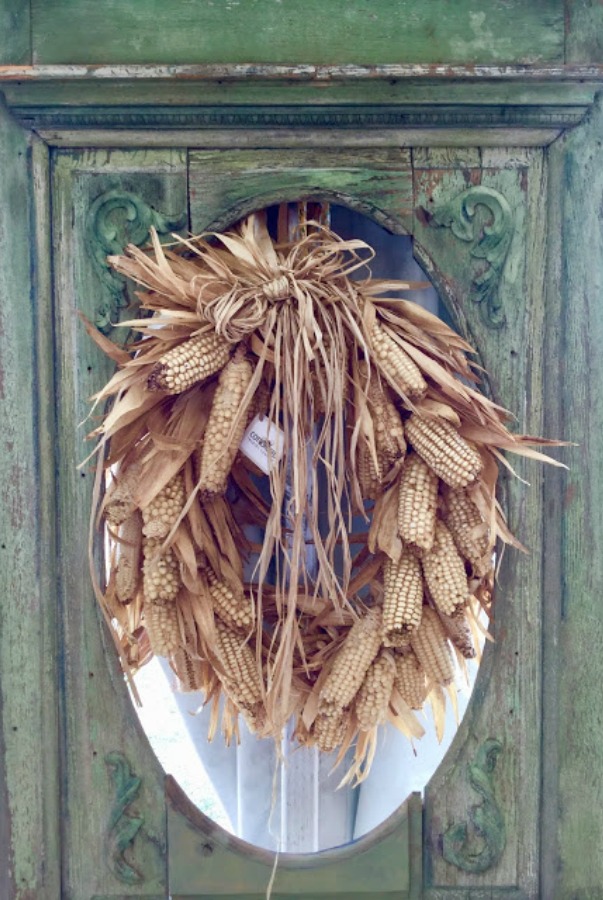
(403, 597)
(328, 731)
(161, 573)
(225, 427)
(190, 362)
(120, 502)
(164, 509)
(188, 669)
(469, 531)
(430, 645)
(372, 701)
(417, 503)
(438, 442)
(127, 576)
(444, 572)
(163, 630)
(396, 363)
(232, 606)
(240, 679)
(351, 663)
(459, 632)
(410, 681)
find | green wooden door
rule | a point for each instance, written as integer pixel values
(474, 215)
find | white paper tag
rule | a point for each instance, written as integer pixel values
(263, 443)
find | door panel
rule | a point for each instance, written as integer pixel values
(476, 219)
(114, 809)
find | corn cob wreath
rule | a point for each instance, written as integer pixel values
(369, 389)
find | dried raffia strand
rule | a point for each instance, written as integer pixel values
(232, 606)
(403, 598)
(351, 663)
(410, 681)
(459, 632)
(161, 623)
(190, 362)
(372, 700)
(417, 503)
(164, 509)
(444, 450)
(241, 681)
(396, 363)
(121, 503)
(444, 572)
(162, 580)
(188, 669)
(430, 644)
(468, 529)
(226, 425)
(127, 576)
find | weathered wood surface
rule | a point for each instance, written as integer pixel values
(29, 750)
(584, 31)
(15, 33)
(114, 811)
(310, 32)
(227, 185)
(384, 864)
(505, 707)
(572, 813)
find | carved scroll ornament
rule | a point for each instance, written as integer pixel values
(123, 827)
(491, 242)
(115, 219)
(459, 848)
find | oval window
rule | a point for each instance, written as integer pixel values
(289, 795)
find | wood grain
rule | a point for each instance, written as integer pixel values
(267, 31)
(99, 718)
(29, 751)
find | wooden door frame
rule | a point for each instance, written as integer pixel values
(278, 107)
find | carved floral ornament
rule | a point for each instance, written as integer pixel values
(268, 387)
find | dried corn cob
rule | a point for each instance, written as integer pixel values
(329, 731)
(444, 572)
(188, 669)
(233, 607)
(403, 597)
(372, 701)
(161, 573)
(241, 678)
(164, 509)
(468, 529)
(351, 663)
(444, 450)
(409, 680)
(161, 623)
(120, 504)
(430, 644)
(192, 361)
(396, 363)
(388, 428)
(369, 477)
(127, 576)
(221, 441)
(458, 631)
(417, 503)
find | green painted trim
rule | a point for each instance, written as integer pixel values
(267, 31)
(15, 32)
